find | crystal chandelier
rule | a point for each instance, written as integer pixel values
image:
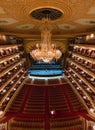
(45, 51)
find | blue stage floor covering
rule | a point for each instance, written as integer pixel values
(46, 69)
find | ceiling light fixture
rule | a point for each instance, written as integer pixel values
(45, 51)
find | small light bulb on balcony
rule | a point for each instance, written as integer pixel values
(4, 37)
(1, 112)
(0, 80)
(84, 97)
(12, 82)
(92, 79)
(17, 76)
(82, 72)
(9, 73)
(5, 62)
(80, 80)
(75, 47)
(78, 58)
(19, 82)
(4, 90)
(1, 51)
(93, 127)
(91, 110)
(72, 81)
(10, 49)
(14, 89)
(78, 88)
(88, 89)
(90, 50)
(7, 98)
(16, 48)
(87, 37)
(92, 35)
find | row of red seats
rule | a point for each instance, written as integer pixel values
(85, 63)
(67, 123)
(10, 62)
(9, 51)
(36, 101)
(85, 51)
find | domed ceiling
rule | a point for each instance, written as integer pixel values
(74, 17)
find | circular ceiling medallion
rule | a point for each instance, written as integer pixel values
(51, 13)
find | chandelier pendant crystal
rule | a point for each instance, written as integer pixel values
(45, 51)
